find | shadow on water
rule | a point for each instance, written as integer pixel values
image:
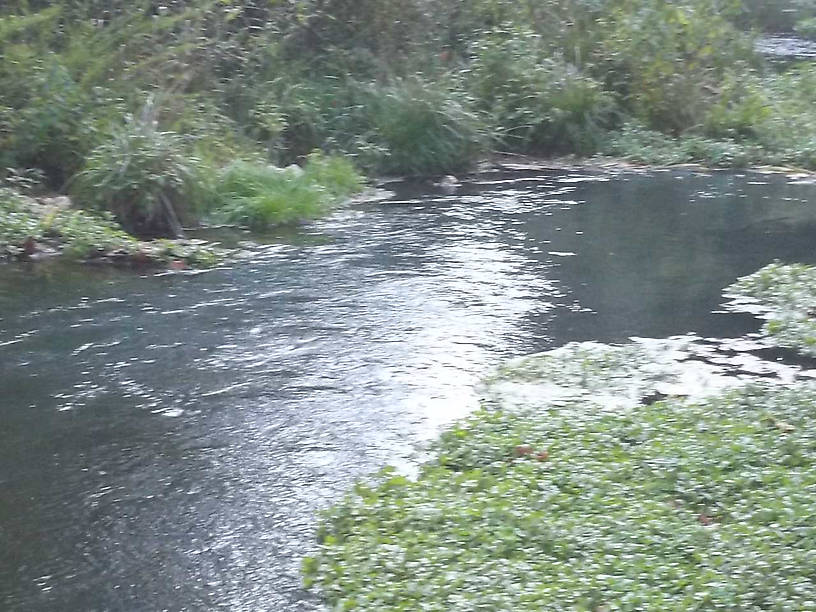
(166, 441)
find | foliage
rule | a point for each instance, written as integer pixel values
(26, 226)
(569, 506)
(144, 176)
(423, 128)
(806, 28)
(639, 144)
(537, 103)
(785, 294)
(405, 87)
(788, 131)
(261, 196)
(667, 59)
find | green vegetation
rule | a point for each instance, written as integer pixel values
(562, 503)
(785, 295)
(186, 88)
(259, 196)
(29, 229)
(143, 176)
(164, 114)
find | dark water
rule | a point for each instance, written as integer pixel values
(166, 441)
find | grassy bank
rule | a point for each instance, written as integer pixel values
(566, 502)
(31, 230)
(137, 109)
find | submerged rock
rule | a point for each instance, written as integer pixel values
(449, 184)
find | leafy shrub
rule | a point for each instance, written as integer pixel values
(534, 102)
(260, 196)
(742, 106)
(666, 60)
(143, 176)
(50, 126)
(789, 131)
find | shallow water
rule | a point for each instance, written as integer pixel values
(786, 47)
(166, 441)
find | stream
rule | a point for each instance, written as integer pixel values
(166, 441)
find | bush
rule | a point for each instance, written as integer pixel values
(536, 103)
(260, 197)
(144, 177)
(667, 60)
(743, 105)
(789, 131)
(50, 126)
(423, 128)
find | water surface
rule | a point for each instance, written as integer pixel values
(165, 442)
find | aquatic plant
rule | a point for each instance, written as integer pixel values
(29, 228)
(566, 505)
(785, 295)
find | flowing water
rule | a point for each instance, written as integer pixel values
(785, 47)
(166, 441)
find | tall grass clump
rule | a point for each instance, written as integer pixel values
(144, 176)
(262, 196)
(423, 128)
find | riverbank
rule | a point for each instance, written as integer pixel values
(616, 165)
(406, 91)
(32, 230)
(592, 481)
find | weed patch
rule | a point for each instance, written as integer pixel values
(564, 505)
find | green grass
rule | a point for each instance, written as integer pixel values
(567, 506)
(259, 196)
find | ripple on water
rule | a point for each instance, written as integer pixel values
(167, 441)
